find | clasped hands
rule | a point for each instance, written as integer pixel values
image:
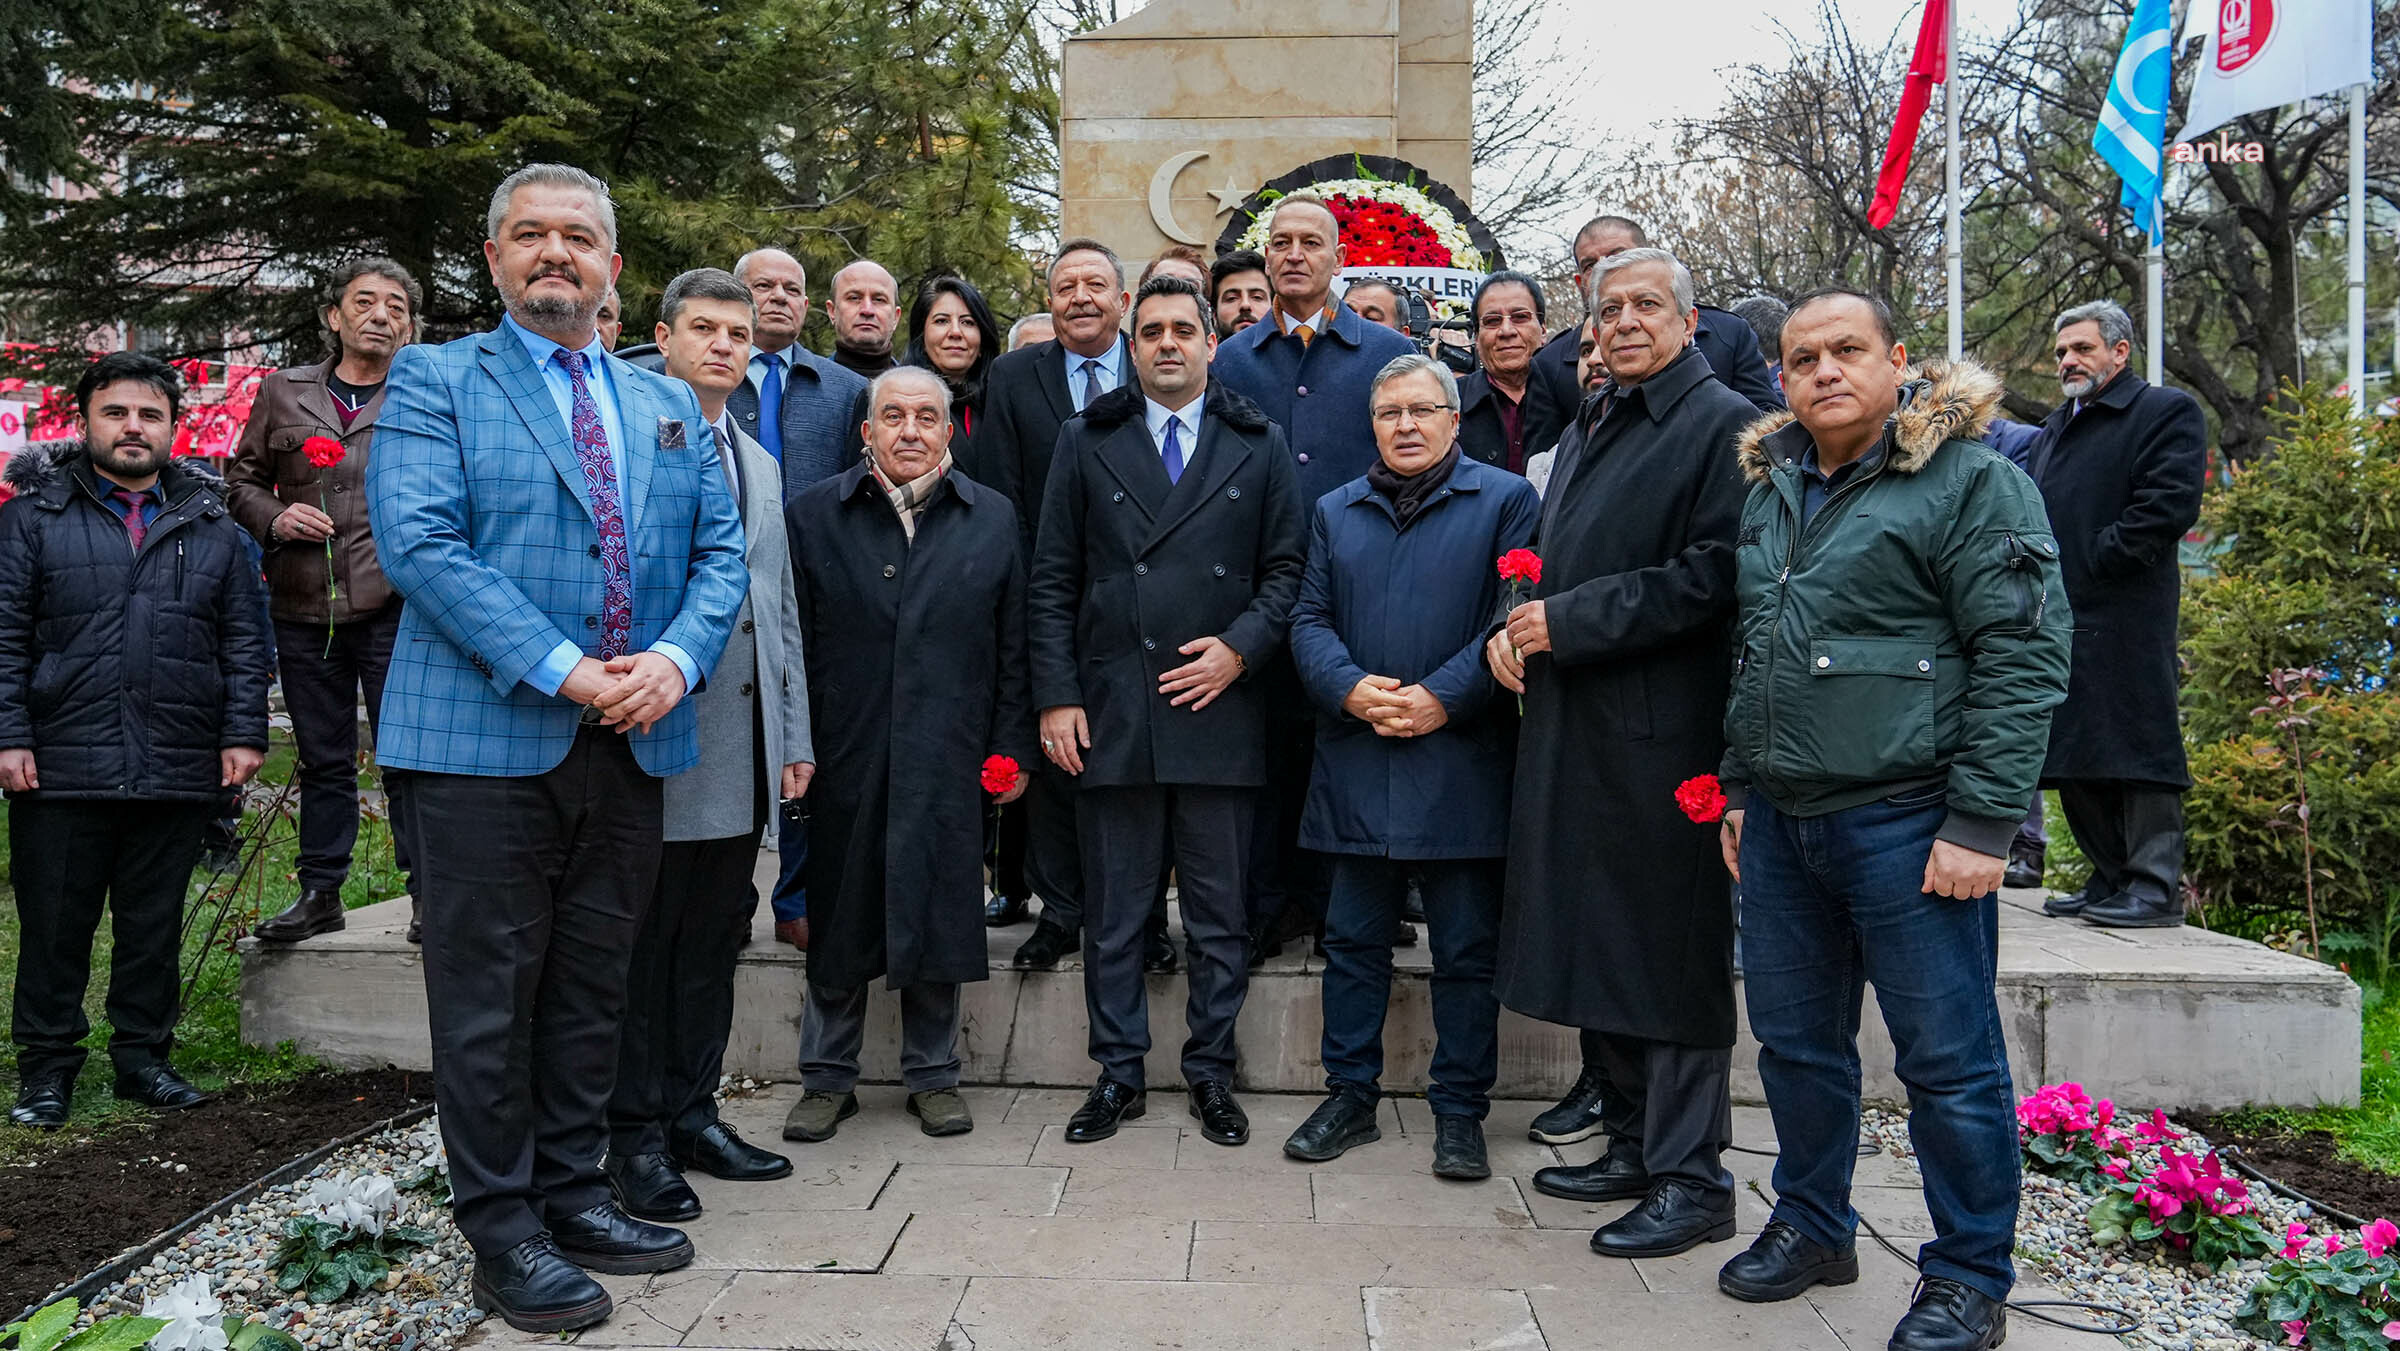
(632, 692)
(1527, 632)
(1214, 665)
(1394, 709)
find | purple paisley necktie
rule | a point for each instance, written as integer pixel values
(591, 451)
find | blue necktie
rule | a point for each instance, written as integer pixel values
(770, 408)
(1172, 456)
(1091, 383)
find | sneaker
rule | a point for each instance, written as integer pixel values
(818, 1115)
(941, 1111)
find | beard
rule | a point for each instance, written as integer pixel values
(552, 311)
(128, 459)
(2079, 385)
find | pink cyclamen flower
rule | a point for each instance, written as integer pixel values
(2295, 1332)
(2378, 1238)
(2115, 1169)
(2392, 1329)
(2333, 1244)
(2295, 1239)
(2156, 1130)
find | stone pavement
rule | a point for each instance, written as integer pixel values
(1008, 1238)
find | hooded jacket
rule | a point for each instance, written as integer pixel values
(126, 673)
(1912, 634)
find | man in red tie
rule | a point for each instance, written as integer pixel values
(133, 693)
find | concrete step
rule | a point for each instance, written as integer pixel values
(2177, 1018)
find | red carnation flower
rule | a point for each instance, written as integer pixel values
(1000, 774)
(1521, 565)
(1702, 799)
(322, 451)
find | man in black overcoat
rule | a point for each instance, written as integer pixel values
(1170, 554)
(1028, 396)
(2120, 464)
(1615, 920)
(912, 612)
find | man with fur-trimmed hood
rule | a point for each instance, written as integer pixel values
(1621, 654)
(1902, 645)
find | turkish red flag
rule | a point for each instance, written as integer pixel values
(1929, 67)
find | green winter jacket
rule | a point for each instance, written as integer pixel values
(1914, 633)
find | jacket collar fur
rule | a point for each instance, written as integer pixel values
(1126, 403)
(1939, 401)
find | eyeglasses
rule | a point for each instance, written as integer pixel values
(1415, 412)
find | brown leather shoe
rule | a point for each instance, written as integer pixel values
(793, 931)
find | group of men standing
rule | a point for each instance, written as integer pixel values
(1222, 550)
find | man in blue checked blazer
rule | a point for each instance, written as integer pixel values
(573, 564)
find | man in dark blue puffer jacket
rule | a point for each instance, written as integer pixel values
(133, 692)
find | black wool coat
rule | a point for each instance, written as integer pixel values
(1618, 914)
(2122, 480)
(1129, 568)
(916, 673)
(1025, 402)
(127, 674)
(1483, 436)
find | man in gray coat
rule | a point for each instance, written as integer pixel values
(754, 748)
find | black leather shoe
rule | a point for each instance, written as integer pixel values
(2074, 903)
(1576, 1116)
(1947, 1316)
(1673, 1220)
(1458, 1152)
(316, 912)
(1341, 1121)
(1110, 1103)
(1261, 948)
(2128, 911)
(159, 1087)
(1041, 951)
(2024, 866)
(1221, 1119)
(416, 920)
(1001, 911)
(1616, 1175)
(606, 1239)
(42, 1101)
(649, 1188)
(1781, 1263)
(1158, 953)
(1405, 936)
(720, 1153)
(534, 1289)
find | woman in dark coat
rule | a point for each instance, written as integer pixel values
(951, 332)
(915, 650)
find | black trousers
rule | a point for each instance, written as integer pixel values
(1123, 831)
(1053, 855)
(2132, 833)
(1285, 878)
(1678, 1108)
(679, 993)
(533, 890)
(67, 860)
(1004, 851)
(324, 677)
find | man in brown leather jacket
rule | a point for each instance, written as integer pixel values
(335, 615)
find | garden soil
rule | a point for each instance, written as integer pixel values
(2305, 1161)
(69, 1212)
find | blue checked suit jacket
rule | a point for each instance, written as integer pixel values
(482, 521)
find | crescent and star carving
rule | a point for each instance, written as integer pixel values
(1162, 207)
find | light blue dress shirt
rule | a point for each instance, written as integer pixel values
(1112, 372)
(1155, 416)
(552, 671)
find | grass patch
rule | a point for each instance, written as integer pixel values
(2368, 1134)
(208, 1041)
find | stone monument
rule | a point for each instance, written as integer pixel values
(1169, 118)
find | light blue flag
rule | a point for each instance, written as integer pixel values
(2133, 118)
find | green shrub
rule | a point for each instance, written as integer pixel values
(2306, 578)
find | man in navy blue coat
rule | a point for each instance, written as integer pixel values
(1309, 367)
(1414, 754)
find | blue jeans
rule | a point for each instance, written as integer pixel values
(1831, 902)
(1462, 926)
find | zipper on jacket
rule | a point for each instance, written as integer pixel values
(179, 569)
(1783, 586)
(2021, 559)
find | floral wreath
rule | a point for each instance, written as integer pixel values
(1389, 212)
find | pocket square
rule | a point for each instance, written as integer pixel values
(672, 434)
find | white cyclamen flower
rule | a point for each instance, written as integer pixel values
(194, 1317)
(364, 1204)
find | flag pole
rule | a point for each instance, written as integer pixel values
(2154, 309)
(1953, 253)
(2358, 248)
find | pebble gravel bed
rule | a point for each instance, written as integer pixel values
(423, 1305)
(2178, 1305)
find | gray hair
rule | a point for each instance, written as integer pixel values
(701, 283)
(911, 374)
(551, 176)
(1635, 258)
(2116, 326)
(1017, 329)
(1410, 364)
(1765, 315)
(1083, 244)
(741, 265)
(338, 286)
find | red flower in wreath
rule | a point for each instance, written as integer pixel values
(322, 451)
(1000, 775)
(1702, 799)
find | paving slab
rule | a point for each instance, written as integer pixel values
(1588, 1320)
(1188, 1194)
(1405, 1319)
(813, 1184)
(795, 1240)
(651, 1311)
(1003, 1314)
(1086, 1247)
(792, 1312)
(1411, 1198)
(942, 1189)
(1361, 1255)
(1128, 1148)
